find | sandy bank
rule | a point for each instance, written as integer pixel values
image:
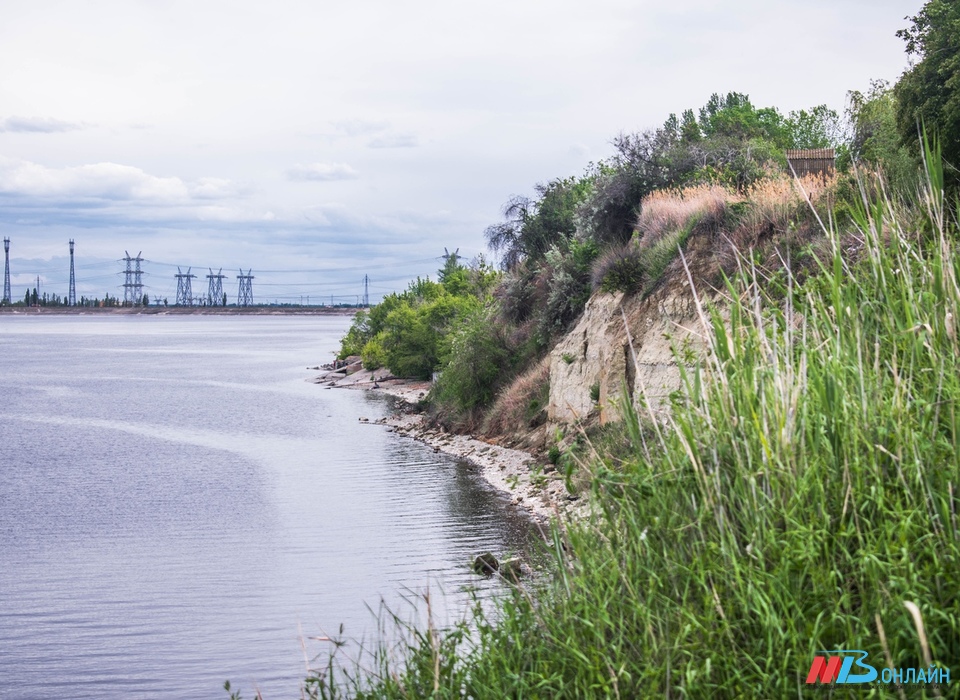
(531, 483)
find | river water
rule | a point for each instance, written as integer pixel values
(179, 506)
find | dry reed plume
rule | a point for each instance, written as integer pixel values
(776, 201)
(667, 211)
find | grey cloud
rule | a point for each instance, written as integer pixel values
(111, 195)
(36, 125)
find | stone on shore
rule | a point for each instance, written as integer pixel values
(486, 564)
(511, 569)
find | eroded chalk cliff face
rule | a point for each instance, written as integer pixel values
(622, 341)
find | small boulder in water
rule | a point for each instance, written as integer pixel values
(486, 564)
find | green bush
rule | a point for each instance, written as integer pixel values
(479, 361)
(415, 336)
(409, 343)
(358, 336)
(564, 287)
(619, 269)
(374, 356)
(409, 332)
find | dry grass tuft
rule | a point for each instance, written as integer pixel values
(777, 201)
(667, 211)
(519, 405)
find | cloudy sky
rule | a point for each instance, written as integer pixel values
(316, 142)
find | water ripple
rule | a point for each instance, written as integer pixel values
(175, 510)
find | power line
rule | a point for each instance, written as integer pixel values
(320, 270)
(132, 283)
(315, 281)
(245, 288)
(72, 295)
(184, 290)
(215, 295)
(6, 271)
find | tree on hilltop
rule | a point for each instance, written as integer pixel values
(928, 94)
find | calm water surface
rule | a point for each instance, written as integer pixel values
(180, 506)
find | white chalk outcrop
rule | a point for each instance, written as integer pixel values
(622, 342)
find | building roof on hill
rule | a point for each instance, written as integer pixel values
(806, 161)
(810, 153)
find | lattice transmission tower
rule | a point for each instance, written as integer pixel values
(245, 288)
(215, 295)
(184, 288)
(6, 271)
(366, 291)
(132, 282)
(72, 293)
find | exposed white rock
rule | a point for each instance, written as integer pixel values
(597, 352)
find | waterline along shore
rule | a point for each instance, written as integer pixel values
(532, 484)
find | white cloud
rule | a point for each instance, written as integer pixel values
(215, 188)
(41, 125)
(23, 280)
(323, 172)
(107, 181)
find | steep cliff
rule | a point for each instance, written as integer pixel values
(592, 364)
(629, 341)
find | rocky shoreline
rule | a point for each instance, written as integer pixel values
(531, 483)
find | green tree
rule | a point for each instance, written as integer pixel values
(928, 94)
(357, 336)
(453, 276)
(484, 277)
(408, 344)
(821, 127)
(874, 139)
(532, 226)
(479, 353)
(409, 332)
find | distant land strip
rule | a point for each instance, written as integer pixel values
(179, 310)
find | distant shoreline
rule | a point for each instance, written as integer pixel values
(177, 311)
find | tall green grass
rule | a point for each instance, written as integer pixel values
(802, 495)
